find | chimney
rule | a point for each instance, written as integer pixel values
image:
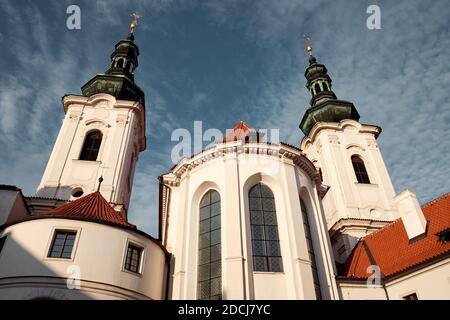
(411, 214)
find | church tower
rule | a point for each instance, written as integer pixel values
(102, 134)
(360, 198)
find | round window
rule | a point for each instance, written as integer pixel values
(77, 192)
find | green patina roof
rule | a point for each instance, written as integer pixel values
(328, 111)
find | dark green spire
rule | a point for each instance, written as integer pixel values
(324, 105)
(119, 79)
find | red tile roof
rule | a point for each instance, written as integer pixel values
(391, 249)
(93, 207)
(239, 132)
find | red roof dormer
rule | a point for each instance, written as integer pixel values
(240, 131)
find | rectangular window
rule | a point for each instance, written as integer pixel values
(412, 296)
(133, 258)
(62, 244)
(2, 243)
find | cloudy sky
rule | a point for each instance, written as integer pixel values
(223, 61)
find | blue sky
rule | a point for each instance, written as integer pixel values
(223, 61)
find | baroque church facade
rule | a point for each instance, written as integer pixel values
(243, 219)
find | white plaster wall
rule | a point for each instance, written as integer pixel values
(350, 291)
(121, 123)
(232, 175)
(428, 283)
(99, 251)
(431, 283)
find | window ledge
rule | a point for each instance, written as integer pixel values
(137, 274)
(268, 272)
(86, 161)
(367, 184)
(59, 259)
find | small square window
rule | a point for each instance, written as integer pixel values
(62, 244)
(133, 258)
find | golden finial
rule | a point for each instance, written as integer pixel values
(309, 47)
(134, 23)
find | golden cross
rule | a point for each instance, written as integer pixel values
(309, 47)
(134, 23)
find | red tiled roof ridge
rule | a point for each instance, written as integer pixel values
(92, 206)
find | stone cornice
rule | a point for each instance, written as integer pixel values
(339, 126)
(236, 148)
(356, 223)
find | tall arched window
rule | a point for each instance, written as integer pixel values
(120, 63)
(263, 221)
(310, 247)
(325, 86)
(209, 255)
(91, 146)
(360, 170)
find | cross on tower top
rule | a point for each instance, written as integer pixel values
(309, 47)
(136, 16)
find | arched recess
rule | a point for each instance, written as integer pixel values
(209, 262)
(196, 226)
(311, 230)
(265, 238)
(275, 188)
(360, 169)
(317, 88)
(91, 145)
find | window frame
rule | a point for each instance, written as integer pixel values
(141, 264)
(52, 239)
(361, 175)
(265, 242)
(85, 140)
(210, 245)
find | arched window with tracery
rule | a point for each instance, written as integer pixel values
(264, 226)
(209, 284)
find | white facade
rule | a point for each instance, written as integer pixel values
(352, 209)
(232, 169)
(122, 125)
(97, 261)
